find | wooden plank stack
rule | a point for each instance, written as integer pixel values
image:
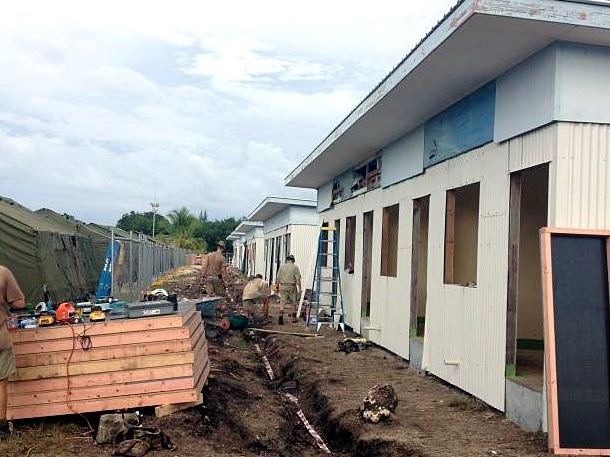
(110, 365)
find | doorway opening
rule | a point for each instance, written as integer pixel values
(419, 266)
(367, 263)
(524, 330)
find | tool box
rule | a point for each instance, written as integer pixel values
(150, 308)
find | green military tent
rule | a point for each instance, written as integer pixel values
(43, 248)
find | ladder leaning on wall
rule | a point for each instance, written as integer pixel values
(326, 301)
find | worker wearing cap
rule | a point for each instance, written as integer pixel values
(253, 295)
(288, 282)
(214, 271)
(10, 297)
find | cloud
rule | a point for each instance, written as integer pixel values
(105, 106)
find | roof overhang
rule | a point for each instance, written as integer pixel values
(271, 206)
(246, 226)
(476, 42)
(234, 236)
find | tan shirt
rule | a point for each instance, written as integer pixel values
(10, 293)
(289, 273)
(216, 264)
(254, 289)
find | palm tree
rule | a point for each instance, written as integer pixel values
(181, 221)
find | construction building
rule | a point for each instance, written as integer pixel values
(248, 242)
(496, 124)
(277, 227)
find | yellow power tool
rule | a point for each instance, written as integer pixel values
(45, 319)
(97, 314)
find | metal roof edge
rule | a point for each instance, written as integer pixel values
(284, 201)
(379, 88)
(545, 10)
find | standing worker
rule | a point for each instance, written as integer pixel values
(10, 297)
(214, 271)
(289, 285)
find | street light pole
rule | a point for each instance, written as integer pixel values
(155, 208)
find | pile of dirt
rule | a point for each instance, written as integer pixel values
(185, 282)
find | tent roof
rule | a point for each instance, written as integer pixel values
(69, 222)
(28, 218)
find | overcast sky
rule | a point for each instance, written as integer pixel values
(107, 106)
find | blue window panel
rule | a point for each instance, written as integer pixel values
(466, 125)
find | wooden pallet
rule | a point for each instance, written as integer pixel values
(132, 363)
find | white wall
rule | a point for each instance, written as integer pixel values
(583, 91)
(525, 95)
(466, 325)
(581, 177)
(563, 82)
(280, 220)
(303, 245)
(325, 196)
(303, 215)
(292, 215)
(403, 158)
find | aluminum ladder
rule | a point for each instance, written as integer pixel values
(326, 301)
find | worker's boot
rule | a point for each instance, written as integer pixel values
(294, 319)
(280, 320)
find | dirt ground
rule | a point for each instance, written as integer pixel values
(245, 414)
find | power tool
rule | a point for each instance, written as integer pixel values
(45, 319)
(66, 314)
(353, 344)
(97, 314)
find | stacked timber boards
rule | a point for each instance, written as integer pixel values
(131, 363)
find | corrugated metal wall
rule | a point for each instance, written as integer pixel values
(304, 245)
(464, 325)
(582, 174)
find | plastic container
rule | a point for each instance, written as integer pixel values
(28, 323)
(12, 323)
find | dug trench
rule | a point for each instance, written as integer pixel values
(246, 413)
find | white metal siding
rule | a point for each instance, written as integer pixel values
(464, 324)
(303, 245)
(582, 173)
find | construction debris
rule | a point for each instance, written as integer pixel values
(379, 403)
(280, 332)
(352, 345)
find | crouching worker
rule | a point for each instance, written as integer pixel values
(10, 297)
(289, 287)
(252, 297)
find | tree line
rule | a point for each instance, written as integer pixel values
(181, 228)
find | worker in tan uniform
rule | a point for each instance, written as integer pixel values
(214, 271)
(10, 297)
(288, 283)
(253, 295)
